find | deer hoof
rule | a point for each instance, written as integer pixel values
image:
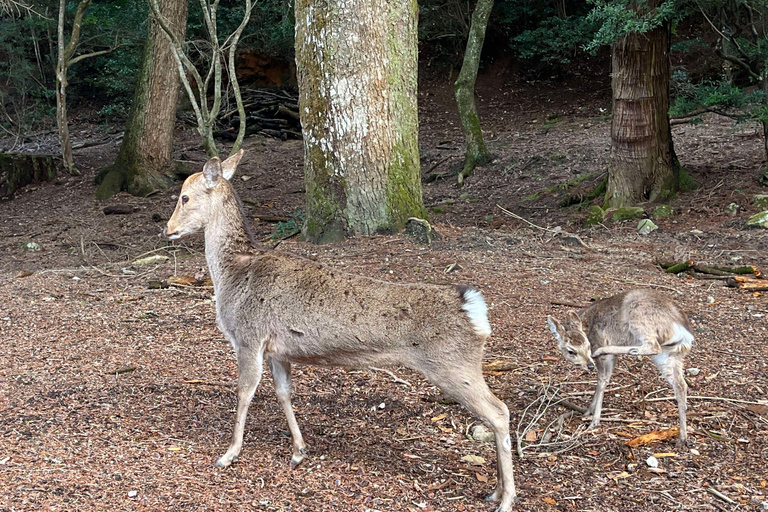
(225, 461)
(298, 458)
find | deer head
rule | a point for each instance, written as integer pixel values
(200, 195)
(572, 341)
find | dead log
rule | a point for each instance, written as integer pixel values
(17, 171)
(727, 271)
(287, 112)
(676, 268)
(747, 283)
(119, 209)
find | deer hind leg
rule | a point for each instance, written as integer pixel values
(468, 387)
(605, 365)
(648, 347)
(281, 373)
(249, 369)
(671, 368)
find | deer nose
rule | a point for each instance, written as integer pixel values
(590, 367)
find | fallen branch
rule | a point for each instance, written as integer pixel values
(516, 216)
(651, 285)
(124, 369)
(710, 398)
(719, 495)
(651, 437)
(747, 283)
(568, 303)
(395, 378)
(207, 383)
(570, 405)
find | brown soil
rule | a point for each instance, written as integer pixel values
(115, 396)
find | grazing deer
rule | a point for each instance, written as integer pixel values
(637, 322)
(288, 309)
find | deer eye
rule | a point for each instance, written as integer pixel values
(572, 352)
(184, 199)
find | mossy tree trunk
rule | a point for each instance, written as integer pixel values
(642, 166)
(144, 162)
(464, 88)
(357, 73)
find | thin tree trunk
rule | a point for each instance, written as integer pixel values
(144, 162)
(643, 166)
(357, 72)
(476, 152)
(64, 56)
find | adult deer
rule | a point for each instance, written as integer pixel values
(288, 309)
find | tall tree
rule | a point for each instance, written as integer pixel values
(357, 73)
(208, 115)
(65, 59)
(144, 161)
(476, 152)
(642, 164)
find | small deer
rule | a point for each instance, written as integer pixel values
(287, 309)
(637, 322)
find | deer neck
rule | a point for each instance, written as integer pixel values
(227, 239)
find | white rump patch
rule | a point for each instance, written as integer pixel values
(477, 311)
(682, 339)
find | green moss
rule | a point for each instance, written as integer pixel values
(595, 216)
(662, 211)
(626, 213)
(111, 183)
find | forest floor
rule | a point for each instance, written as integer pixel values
(115, 395)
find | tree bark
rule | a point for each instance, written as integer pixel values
(144, 162)
(643, 166)
(17, 171)
(357, 73)
(64, 57)
(476, 151)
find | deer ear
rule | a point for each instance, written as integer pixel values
(573, 318)
(229, 165)
(556, 328)
(212, 172)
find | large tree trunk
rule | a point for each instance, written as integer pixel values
(357, 73)
(144, 162)
(643, 166)
(476, 152)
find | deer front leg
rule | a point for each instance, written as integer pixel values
(604, 371)
(281, 373)
(249, 368)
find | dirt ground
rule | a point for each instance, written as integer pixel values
(118, 396)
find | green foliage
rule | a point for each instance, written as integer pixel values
(620, 18)
(270, 29)
(289, 227)
(721, 96)
(26, 81)
(556, 40)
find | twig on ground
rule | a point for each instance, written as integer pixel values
(516, 216)
(711, 398)
(207, 383)
(718, 494)
(652, 285)
(567, 303)
(395, 378)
